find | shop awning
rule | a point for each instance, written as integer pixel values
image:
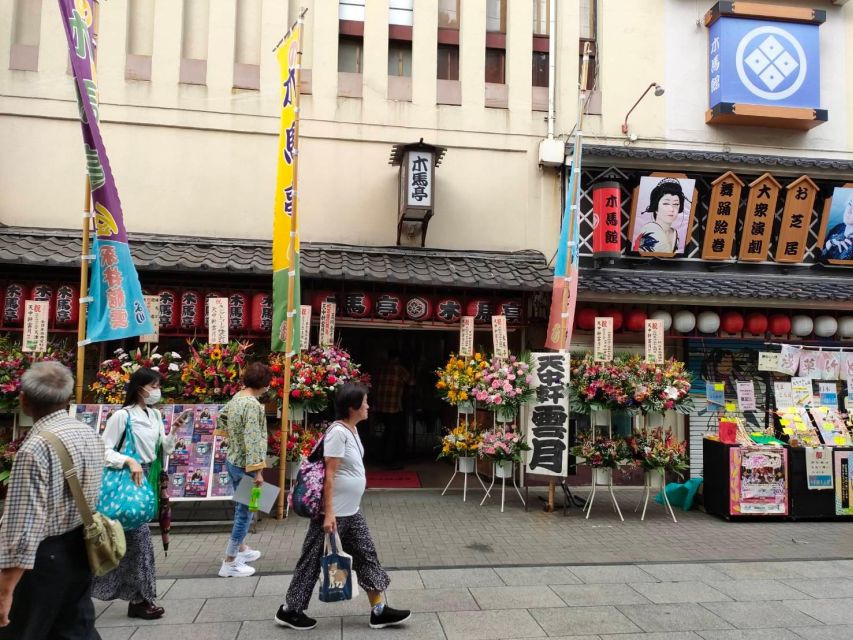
(493, 270)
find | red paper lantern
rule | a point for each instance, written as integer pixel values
(170, 310)
(607, 220)
(192, 309)
(13, 303)
(779, 324)
(389, 306)
(481, 310)
(512, 310)
(732, 322)
(756, 323)
(41, 293)
(319, 297)
(635, 321)
(585, 319)
(206, 309)
(238, 312)
(618, 318)
(67, 306)
(357, 304)
(418, 308)
(261, 312)
(448, 310)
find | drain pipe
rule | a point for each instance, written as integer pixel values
(552, 63)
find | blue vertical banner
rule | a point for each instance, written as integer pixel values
(117, 309)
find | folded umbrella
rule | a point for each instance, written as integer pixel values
(165, 511)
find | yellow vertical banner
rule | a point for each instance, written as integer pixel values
(285, 237)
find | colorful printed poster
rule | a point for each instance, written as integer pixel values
(802, 389)
(828, 394)
(819, 468)
(221, 484)
(88, 414)
(107, 411)
(758, 481)
(195, 469)
(843, 468)
(118, 308)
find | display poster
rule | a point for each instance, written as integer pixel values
(603, 342)
(831, 365)
(327, 323)
(789, 359)
(819, 468)
(153, 305)
(783, 392)
(35, 326)
(831, 427)
(466, 336)
(768, 360)
(758, 482)
(746, 395)
(843, 468)
(499, 337)
(809, 365)
(828, 394)
(88, 414)
(802, 390)
(654, 341)
(548, 418)
(716, 394)
(217, 326)
(304, 327)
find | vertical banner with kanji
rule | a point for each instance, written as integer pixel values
(654, 341)
(35, 326)
(305, 327)
(466, 336)
(603, 343)
(117, 309)
(327, 323)
(499, 337)
(152, 303)
(217, 326)
(285, 235)
(548, 422)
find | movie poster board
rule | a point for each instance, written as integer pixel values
(758, 481)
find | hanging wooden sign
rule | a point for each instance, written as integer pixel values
(603, 342)
(722, 217)
(760, 213)
(499, 337)
(466, 336)
(796, 220)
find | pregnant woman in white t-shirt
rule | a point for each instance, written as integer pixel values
(343, 487)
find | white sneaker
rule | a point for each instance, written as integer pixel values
(235, 569)
(249, 555)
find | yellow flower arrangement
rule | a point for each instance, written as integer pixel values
(459, 376)
(462, 441)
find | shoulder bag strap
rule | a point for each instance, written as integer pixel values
(70, 473)
(127, 425)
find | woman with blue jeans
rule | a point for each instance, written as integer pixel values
(243, 423)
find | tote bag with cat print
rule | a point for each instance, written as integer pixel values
(338, 583)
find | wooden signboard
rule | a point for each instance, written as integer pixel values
(656, 230)
(217, 326)
(760, 213)
(835, 244)
(603, 344)
(466, 336)
(796, 219)
(153, 305)
(722, 217)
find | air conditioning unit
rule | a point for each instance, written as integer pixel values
(552, 152)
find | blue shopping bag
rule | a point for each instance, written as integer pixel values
(337, 583)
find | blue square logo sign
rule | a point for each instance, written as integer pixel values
(764, 62)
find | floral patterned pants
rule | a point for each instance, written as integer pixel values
(355, 540)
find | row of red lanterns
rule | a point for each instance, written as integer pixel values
(64, 302)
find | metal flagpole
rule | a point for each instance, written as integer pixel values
(283, 433)
(570, 286)
(84, 254)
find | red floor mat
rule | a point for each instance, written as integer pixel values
(393, 480)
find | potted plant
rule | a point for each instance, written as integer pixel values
(458, 378)
(503, 448)
(461, 444)
(505, 386)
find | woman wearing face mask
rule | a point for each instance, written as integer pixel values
(243, 423)
(134, 579)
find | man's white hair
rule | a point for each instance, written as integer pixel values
(47, 384)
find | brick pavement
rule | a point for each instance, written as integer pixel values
(422, 529)
(781, 600)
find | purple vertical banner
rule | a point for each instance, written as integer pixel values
(117, 309)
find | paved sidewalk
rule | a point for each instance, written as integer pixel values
(422, 529)
(784, 600)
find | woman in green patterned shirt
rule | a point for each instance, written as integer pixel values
(243, 422)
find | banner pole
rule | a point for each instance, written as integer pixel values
(284, 434)
(83, 314)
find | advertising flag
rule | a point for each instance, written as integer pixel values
(285, 236)
(117, 309)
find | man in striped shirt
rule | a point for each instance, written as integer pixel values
(45, 580)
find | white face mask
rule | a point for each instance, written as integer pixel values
(153, 397)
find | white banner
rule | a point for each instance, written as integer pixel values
(768, 360)
(603, 342)
(499, 337)
(217, 326)
(819, 468)
(153, 304)
(304, 327)
(784, 394)
(654, 341)
(548, 418)
(466, 336)
(327, 323)
(35, 326)
(746, 395)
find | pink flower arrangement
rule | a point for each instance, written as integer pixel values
(315, 375)
(505, 383)
(499, 446)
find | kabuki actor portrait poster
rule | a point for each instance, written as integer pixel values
(662, 215)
